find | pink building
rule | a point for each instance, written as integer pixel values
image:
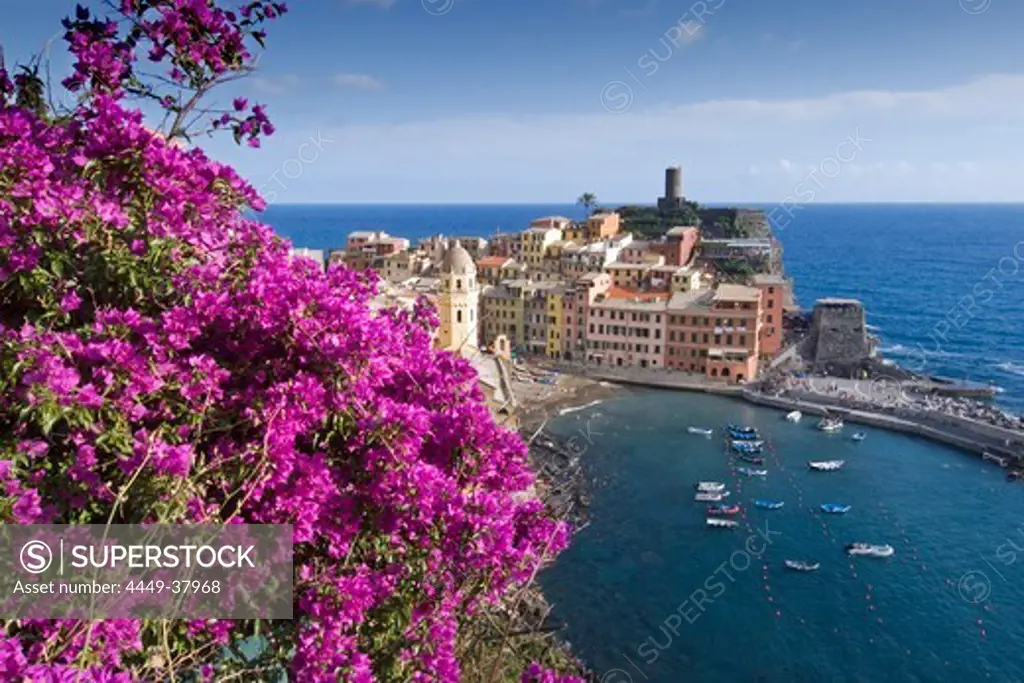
(627, 328)
(575, 311)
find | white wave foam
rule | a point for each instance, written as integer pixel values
(1011, 368)
(566, 411)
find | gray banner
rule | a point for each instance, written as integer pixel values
(133, 571)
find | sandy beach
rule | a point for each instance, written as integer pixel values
(539, 402)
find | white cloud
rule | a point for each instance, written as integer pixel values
(358, 82)
(383, 4)
(495, 157)
(274, 85)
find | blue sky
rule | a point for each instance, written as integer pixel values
(539, 100)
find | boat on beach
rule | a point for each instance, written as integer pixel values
(870, 550)
(826, 465)
(723, 509)
(751, 472)
(711, 497)
(709, 486)
(700, 430)
(859, 436)
(752, 459)
(722, 523)
(794, 416)
(835, 508)
(769, 504)
(801, 566)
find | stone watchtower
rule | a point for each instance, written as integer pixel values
(839, 336)
(458, 300)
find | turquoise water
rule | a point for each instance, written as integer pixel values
(944, 608)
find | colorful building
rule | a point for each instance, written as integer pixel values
(627, 328)
(715, 334)
(601, 226)
(775, 292)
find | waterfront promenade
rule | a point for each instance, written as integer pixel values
(910, 417)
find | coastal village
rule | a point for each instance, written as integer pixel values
(629, 296)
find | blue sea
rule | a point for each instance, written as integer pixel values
(648, 593)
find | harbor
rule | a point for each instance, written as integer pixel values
(650, 546)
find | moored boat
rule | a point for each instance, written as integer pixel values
(710, 497)
(722, 523)
(709, 486)
(794, 416)
(870, 550)
(835, 508)
(751, 472)
(744, 436)
(700, 430)
(723, 509)
(826, 465)
(859, 436)
(769, 504)
(752, 459)
(801, 566)
(830, 424)
(742, 429)
(739, 443)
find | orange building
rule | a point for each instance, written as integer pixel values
(602, 226)
(774, 294)
(715, 334)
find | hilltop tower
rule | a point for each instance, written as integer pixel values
(458, 301)
(673, 198)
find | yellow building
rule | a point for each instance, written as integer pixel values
(556, 331)
(536, 242)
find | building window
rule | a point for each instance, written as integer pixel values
(771, 290)
(743, 340)
(705, 339)
(728, 340)
(458, 284)
(769, 317)
(771, 303)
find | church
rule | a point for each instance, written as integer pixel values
(458, 301)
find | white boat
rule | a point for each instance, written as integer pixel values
(860, 436)
(711, 497)
(700, 430)
(830, 424)
(751, 472)
(710, 486)
(826, 465)
(801, 566)
(722, 523)
(794, 416)
(870, 550)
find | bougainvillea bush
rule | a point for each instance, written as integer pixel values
(162, 358)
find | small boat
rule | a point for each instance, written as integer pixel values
(746, 444)
(723, 509)
(709, 497)
(859, 436)
(835, 508)
(752, 459)
(830, 424)
(870, 550)
(709, 486)
(699, 430)
(750, 472)
(722, 523)
(802, 566)
(769, 504)
(742, 430)
(826, 465)
(744, 436)
(748, 451)
(794, 416)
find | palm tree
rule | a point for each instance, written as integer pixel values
(588, 200)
